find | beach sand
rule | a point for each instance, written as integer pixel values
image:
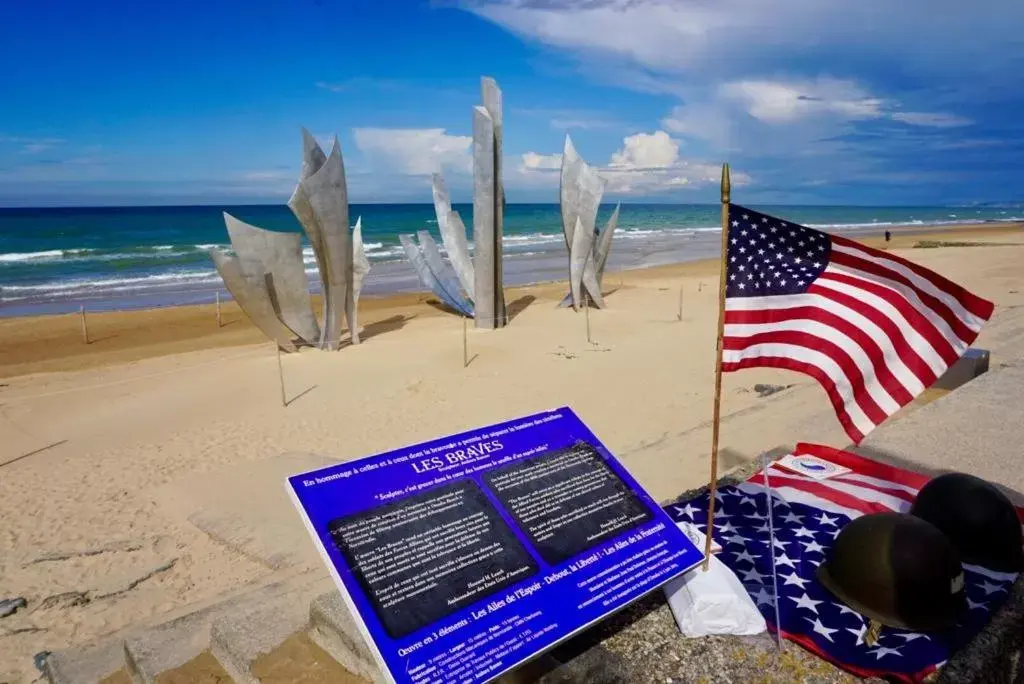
(94, 434)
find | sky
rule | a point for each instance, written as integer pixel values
(870, 102)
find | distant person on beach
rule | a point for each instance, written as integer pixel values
(888, 236)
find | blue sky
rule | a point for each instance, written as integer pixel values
(867, 102)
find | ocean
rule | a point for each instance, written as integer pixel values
(56, 260)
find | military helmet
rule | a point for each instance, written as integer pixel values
(897, 569)
(977, 517)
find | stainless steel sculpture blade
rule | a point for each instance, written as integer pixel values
(313, 158)
(280, 258)
(579, 195)
(426, 275)
(604, 244)
(327, 197)
(453, 235)
(249, 289)
(444, 273)
(360, 263)
(488, 209)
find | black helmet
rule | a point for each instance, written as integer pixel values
(978, 518)
(898, 570)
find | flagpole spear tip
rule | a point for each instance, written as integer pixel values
(725, 183)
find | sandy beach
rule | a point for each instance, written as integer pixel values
(94, 434)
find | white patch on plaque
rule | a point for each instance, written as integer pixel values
(812, 466)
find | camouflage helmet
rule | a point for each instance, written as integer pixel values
(898, 570)
(978, 518)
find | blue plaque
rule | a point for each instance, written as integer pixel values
(463, 557)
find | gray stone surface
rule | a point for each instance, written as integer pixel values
(249, 290)
(488, 210)
(978, 429)
(151, 652)
(326, 193)
(262, 621)
(973, 363)
(333, 629)
(453, 235)
(279, 256)
(360, 265)
(448, 294)
(85, 666)
(580, 192)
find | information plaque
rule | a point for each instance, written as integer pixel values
(463, 557)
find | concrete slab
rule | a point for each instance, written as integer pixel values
(247, 508)
(260, 622)
(977, 429)
(170, 645)
(85, 666)
(333, 629)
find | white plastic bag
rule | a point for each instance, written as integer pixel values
(712, 602)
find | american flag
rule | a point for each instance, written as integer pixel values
(874, 329)
(808, 515)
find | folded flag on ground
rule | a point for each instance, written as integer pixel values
(808, 515)
(872, 328)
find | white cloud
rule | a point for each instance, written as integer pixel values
(646, 151)
(785, 102)
(691, 36)
(932, 120)
(531, 161)
(647, 163)
(415, 151)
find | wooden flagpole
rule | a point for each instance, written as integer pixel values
(713, 486)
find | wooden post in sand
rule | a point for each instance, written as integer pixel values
(586, 313)
(218, 308)
(280, 375)
(85, 326)
(713, 486)
(465, 343)
(680, 302)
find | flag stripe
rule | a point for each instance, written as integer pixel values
(976, 310)
(804, 341)
(873, 329)
(890, 488)
(800, 496)
(794, 329)
(882, 473)
(832, 307)
(947, 325)
(848, 493)
(911, 327)
(809, 362)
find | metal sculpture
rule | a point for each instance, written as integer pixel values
(267, 278)
(249, 289)
(580, 194)
(360, 262)
(279, 256)
(434, 273)
(488, 209)
(453, 235)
